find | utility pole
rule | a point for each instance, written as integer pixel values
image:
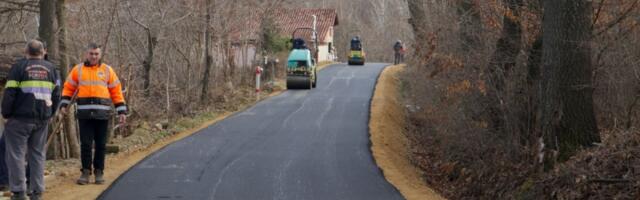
(314, 37)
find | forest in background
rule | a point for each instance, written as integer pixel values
(380, 23)
(172, 56)
(526, 99)
(522, 99)
(176, 58)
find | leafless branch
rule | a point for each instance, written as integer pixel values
(179, 19)
(113, 19)
(133, 18)
(611, 180)
(33, 4)
(620, 18)
(3, 44)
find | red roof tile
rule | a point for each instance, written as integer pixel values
(288, 20)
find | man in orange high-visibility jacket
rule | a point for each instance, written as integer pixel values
(97, 89)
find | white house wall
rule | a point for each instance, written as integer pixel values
(245, 55)
(323, 53)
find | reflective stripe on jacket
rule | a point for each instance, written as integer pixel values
(32, 90)
(97, 88)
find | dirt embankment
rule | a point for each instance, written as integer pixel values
(389, 143)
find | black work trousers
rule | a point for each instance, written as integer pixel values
(399, 58)
(93, 130)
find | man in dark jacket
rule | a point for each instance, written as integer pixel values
(398, 49)
(31, 98)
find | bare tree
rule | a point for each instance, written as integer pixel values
(470, 25)
(567, 114)
(63, 60)
(503, 61)
(418, 22)
(147, 63)
(207, 48)
(46, 24)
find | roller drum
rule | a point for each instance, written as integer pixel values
(298, 82)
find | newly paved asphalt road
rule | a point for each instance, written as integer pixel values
(302, 144)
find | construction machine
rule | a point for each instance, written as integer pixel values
(301, 69)
(356, 55)
(301, 64)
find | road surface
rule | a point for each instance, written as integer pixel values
(302, 144)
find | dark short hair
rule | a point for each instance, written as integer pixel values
(35, 48)
(92, 45)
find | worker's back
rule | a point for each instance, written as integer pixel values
(356, 44)
(299, 43)
(397, 47)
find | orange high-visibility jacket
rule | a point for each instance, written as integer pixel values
(98, 88)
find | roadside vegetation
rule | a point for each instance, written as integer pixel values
(525, 99)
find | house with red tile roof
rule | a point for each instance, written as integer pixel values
(287, 21)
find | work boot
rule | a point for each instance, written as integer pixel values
(35, 196)
(84, 178)
(99, 176)
(18, 196)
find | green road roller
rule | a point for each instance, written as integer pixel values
(301, 70)
(301, 64)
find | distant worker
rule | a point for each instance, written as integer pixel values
(299, 43)
(399, 50)
(31, 98)
(97, 88)
(356, 44)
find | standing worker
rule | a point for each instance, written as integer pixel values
(399, 50)
(31, 98)
(97, 88)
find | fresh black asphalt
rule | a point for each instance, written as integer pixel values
(302, 144)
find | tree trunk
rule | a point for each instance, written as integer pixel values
(504, 59)
(69, 119)
(63, 146)
(46, 33)
(567, 118)
(46, 30)
(54, 149)
(417, 21)
(207, 54)
(471, 25)
(530, 116)
(147, 64)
